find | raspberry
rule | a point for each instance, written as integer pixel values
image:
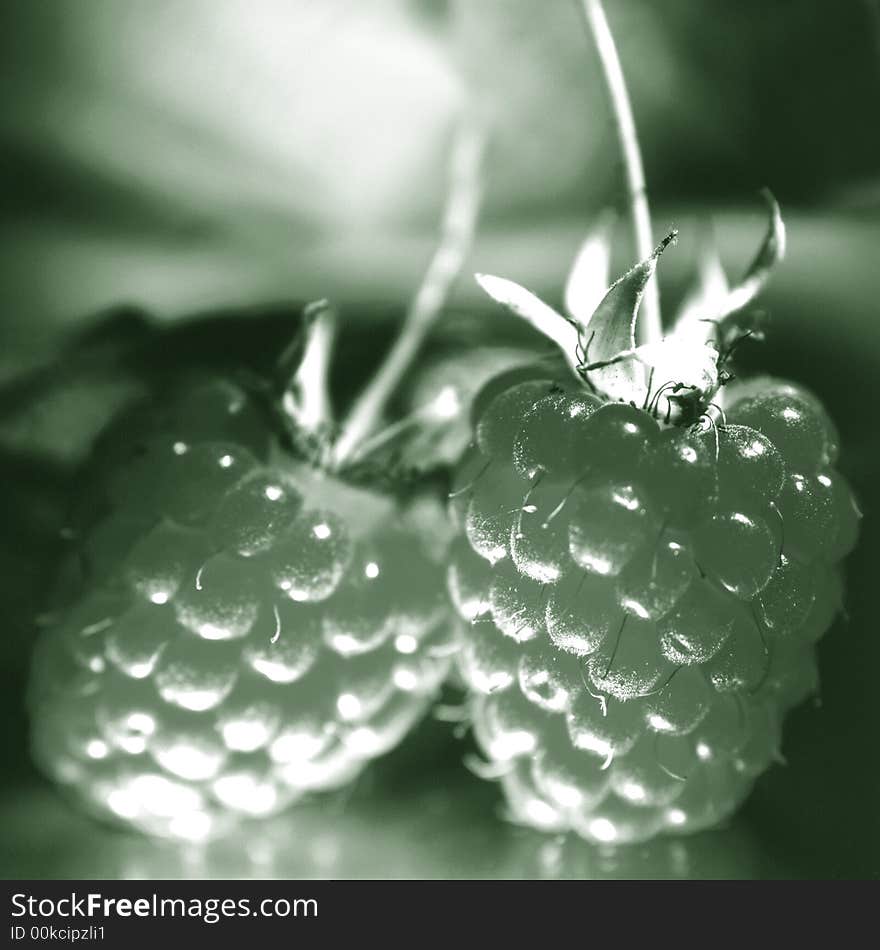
(631, 654)
(236, 644)
(261, 608)
(673, 543)
(642, 581)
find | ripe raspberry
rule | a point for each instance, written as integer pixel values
(643, 583)
(244, 631)
(257, 617)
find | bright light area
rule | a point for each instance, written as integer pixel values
(245, 735)
(447, 405)
(592, 743)
(595, 563)
(133, 745)
(141, 722)
(194, 826)
(244, 793)
(541, 814)
(345, 644)
(602, 830)
(275, 670)
(511, 744)
(490, 682)
(406, 643)
(633, 606)
(189, 761)
(363, 742)
(139, 670)
(97, 749)
(568, 796)
(633, 792)
(273, 492)
(349, 706)
(295, 747)
(193, 698)
(659, 724)
(321, 531)
(630, 502)
(405, 680)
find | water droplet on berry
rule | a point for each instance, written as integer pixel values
(494, 506)
(582, 610)
(604, 726)
(629, 663)
(254, 513)
(195, 674)
(548, 678)
(196, 480)
(785, 603)
(655, 579)
(750, 467)
(609, 523)
(551, 433)
(518, 605)
(287, 657)
(137, 638)
(162, 561)
(222, 602)
(739, 550)
(539, 535)
(312, 558)
(567, 776)
(795, 421)
(499, 423)
(678, 705)
(694, 630)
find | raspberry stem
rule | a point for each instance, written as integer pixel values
(650, 327)
(456, 235)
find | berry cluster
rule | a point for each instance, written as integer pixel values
(642, 601)
(239, 633)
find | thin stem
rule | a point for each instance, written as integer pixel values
(650, 328)
(446, 405)
(456, 235)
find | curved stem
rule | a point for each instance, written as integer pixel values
(456, 234)
(650, 328)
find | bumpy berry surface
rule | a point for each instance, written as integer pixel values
(237, 633)
(642, 602)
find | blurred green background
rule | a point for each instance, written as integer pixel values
(178, 173)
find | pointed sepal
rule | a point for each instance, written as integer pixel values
(770, 253)
(608, 341)
(524, 304)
